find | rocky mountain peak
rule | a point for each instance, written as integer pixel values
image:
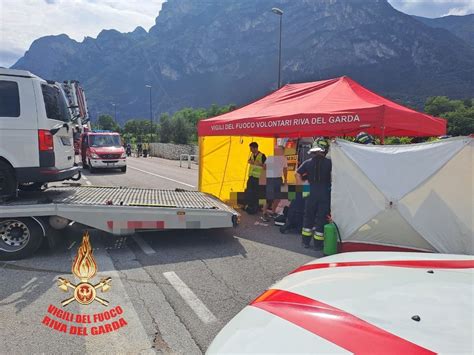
(201, 52)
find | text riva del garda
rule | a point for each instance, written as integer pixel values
(84, 324)
(287, 122)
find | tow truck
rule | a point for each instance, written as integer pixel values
(33, 216)
(28, 217)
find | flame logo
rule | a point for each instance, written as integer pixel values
(84, 265)
(85, 268)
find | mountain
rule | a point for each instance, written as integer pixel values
(461, 26)
(201, 52)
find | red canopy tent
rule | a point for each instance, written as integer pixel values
(333, 107)
(329, 108)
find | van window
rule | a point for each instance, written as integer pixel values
(56, 107)
(108, 140)
(9, 99)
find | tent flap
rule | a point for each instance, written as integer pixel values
(427, 189)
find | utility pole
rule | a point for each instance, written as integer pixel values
(279, 12)
(151, 115)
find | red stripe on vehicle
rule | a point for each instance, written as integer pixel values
(337, 326)
(425, 264)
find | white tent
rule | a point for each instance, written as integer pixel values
(417, 196)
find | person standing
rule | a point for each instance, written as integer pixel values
(276, 167)
(256, 161)
(317, 170)
(139, 150)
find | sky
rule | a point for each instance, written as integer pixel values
(22, 21)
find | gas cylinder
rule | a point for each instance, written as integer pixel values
(330, 239)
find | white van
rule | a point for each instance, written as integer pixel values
(36, 133)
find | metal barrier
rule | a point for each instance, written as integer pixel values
(188, 158)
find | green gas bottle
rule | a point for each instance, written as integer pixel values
(330, 239)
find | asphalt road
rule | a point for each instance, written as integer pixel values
(176, 289)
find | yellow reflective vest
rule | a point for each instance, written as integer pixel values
(256, 170)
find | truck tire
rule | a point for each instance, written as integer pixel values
(20, 237)
(123, 169)
(8, 183)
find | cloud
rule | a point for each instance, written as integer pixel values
(462, 10)
(21, 22)
(434, 8)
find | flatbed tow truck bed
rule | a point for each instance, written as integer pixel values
(122, 210)
(117, 210)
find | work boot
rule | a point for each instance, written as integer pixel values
(318, 239)
(305, 241)
(318, 244)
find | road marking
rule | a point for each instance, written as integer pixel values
(190, 298)
(87, 180)
(161, 176)
(144, 246)
(29, 282)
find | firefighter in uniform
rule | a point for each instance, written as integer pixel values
(256, 162)
(317, 171)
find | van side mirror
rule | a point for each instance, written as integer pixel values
(55, 129)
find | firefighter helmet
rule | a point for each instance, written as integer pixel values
(364, 138)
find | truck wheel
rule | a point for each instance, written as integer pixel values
(91, 169)
(123, 169)
(32, 186)
(8, 182)
(19, 238)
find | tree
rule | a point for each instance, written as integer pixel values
(181, 130)
(438, 105)
(138, 130)
(460, 122)
(458, 113)
(166, 129)
(106, 122)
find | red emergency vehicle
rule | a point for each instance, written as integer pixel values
(103, 149)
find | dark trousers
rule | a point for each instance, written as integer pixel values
(252, 194)
(317, 207)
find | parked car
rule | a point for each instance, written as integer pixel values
(103, 149)
(36, 135)
(361, 303)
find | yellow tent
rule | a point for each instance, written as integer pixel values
(223, 164)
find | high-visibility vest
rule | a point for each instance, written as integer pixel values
(256, 170)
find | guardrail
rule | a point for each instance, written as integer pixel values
(188, 158)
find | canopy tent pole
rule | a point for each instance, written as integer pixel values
(226, 163)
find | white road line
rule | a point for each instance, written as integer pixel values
(144, 246)
(190, 298)
(29, 282)
(161, 176)
(87, 180)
